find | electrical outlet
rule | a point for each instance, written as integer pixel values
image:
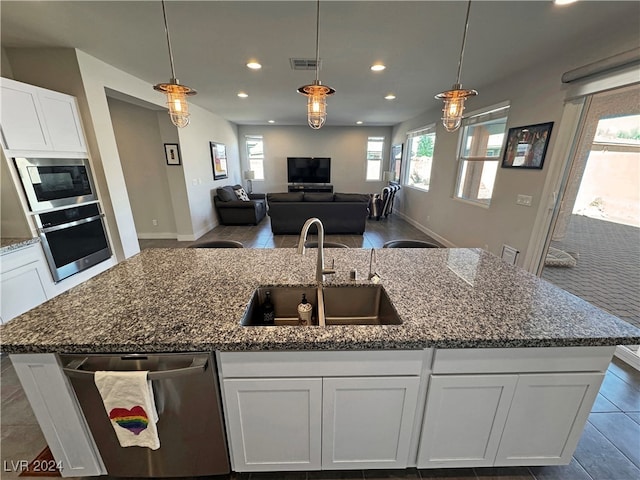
(524, 200)
(154, 222)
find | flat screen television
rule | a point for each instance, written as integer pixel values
(308, 169)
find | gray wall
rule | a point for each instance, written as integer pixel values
(141, 153)
(347, 147)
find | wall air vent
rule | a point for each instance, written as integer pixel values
(304, 63)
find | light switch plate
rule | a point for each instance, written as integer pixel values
(524, 200)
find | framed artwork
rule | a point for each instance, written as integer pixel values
(396, 161)
(172, 153)
(218, 160)
(527, 146)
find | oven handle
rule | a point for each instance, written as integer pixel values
(198, 365)
(75, 223)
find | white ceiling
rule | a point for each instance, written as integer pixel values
(419, 41)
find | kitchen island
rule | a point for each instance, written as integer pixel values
(490, 365)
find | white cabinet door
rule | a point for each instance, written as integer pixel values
(35, 119)
(22, 119)
(63, 122)
(547, 417)
(274, 423)
(464, 419)
(367, 422)
(58, 413)
(25, 281)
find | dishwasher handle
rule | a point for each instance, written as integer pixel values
(198, 365)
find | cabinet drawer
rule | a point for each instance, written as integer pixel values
(522, 360)
(322, 364)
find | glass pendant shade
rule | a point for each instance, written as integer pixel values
(454, 106)
(316, 103)
(176, 101)
(176, 93)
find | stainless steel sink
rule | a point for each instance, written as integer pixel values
(332, 305)
(285, 305)
(359, 305)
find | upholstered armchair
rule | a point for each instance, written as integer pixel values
(236, 207)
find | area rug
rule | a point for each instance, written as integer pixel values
(44, 465)
(559, 258)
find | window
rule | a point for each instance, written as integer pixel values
(480, 154)
(375, 146)
(420, 146)
(255, 155)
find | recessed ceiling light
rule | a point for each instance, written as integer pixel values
(254, 65)
(377, 67)
(564, 2)
(243, 95)
(359, 122)
(271, 121)
(390, 96)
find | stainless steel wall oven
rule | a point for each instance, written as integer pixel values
(73, 239)
(55, 182)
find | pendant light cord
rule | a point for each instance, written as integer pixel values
(166, 29)
(317, 38)
(464, 41)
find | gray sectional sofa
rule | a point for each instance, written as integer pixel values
(339, 212)
(232, 211)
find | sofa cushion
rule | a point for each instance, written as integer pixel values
(226, 194)
(318, 197)
(285, 197)
(351, 197)
(241, 194)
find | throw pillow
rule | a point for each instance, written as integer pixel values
(241, 194)
(226, 194)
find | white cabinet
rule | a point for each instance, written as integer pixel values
(546, 418)
(25, 281)
(367, 422)
(464, 419)
(320, 410)
(274, 424)
(35, 119)
(491, 407)
(56, 409)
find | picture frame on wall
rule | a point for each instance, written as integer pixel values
(527, 146)
(396, 161)
(218, 160)
(172, 154)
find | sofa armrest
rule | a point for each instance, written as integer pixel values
(236, 204)
(257, 196)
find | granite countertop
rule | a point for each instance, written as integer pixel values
(177, 300)
(11, 244)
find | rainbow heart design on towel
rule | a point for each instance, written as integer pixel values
(135, 419)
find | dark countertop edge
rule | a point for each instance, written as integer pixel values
(329, 346)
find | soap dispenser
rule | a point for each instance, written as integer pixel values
(304, 311)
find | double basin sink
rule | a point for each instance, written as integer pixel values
(332, 305)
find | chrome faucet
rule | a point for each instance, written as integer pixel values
(320, 270)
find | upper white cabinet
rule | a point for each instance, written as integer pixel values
(35, 119)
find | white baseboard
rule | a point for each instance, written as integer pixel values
(194, 236)
(157, 236)
(628, 356)
(424, 229)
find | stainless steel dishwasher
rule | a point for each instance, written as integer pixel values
(190, 423)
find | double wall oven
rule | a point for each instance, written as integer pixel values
(65, 207)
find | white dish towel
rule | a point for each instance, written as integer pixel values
(130, 405)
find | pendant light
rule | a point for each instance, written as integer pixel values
(176, 93)
(316, 92)
(454, 98)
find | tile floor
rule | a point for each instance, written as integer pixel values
(609, 448)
